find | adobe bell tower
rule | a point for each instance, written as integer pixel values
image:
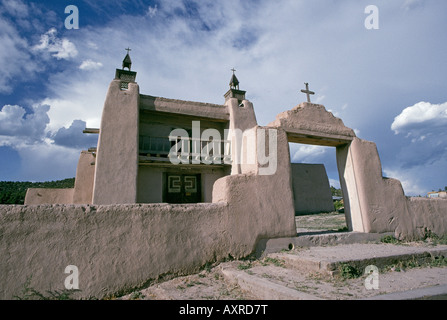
(234, 91)
(117, 153)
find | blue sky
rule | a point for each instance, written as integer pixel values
(387, 84)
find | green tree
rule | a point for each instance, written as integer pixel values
(14, 192)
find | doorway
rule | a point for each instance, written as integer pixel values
(183, 188)
(318, 196)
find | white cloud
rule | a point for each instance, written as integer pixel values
(421, 157)
(90, 65)
(306, 153)
(45, 161)
(17, 126)
(73, 137)
(41, 157)
(335, 183)
(411, 4)
(319, 99)
(422, 116)
(15, 59)
(15, 8)
(411, 183)
(59, 48)
(152, 11)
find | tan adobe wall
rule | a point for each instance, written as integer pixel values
(120, 247)
(311, 189)
(117, 157)
(48, 196)
(425, 215)
(85, 176)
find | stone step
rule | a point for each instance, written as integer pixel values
(306, 273)
(327, 260)
(428, 293)
(262, 288)
(315, 239)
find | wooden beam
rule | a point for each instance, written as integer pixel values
(91, 130)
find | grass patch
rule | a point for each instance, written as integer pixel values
(344, 229)
(323, 221)
(29, 293)
(390, 239)
(274, 261)
(429, 236)
(245, 266)
(348, 271)
(433, 262)
(137, 296)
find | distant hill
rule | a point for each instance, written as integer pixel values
(14, 192)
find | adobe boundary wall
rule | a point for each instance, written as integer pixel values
(114, 247)
(120, 247)
(36, 196)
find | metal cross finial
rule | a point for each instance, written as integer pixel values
(128, 50)
(307, 92)
(233, 70)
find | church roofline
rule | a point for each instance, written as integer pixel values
(191, 108)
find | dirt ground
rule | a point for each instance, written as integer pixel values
(211, 285)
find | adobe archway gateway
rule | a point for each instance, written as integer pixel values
(311, 124)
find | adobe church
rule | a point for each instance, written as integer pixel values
(133, 162)
(121, 224)
(150, 150)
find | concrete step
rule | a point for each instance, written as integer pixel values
(261, 288)
(327, 260)
(306, 273)
(316, 239)
(428, 293)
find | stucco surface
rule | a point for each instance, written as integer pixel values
(205, 110)
(114, 247)
(311, 189)
(264, 202)
(117, 159)
(49, 196)
(313, 120)
(424, 216)
(85, 176)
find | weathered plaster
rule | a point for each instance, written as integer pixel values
(49, 196)
(117, 158)
(311, 189)
(312, 124)
(114, 247)
(85, 176)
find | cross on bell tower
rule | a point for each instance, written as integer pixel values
(234, 82)
(127, 62)
(126, 76)
(234, 91)
(307, 92)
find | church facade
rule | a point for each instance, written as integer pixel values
(158, 150)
